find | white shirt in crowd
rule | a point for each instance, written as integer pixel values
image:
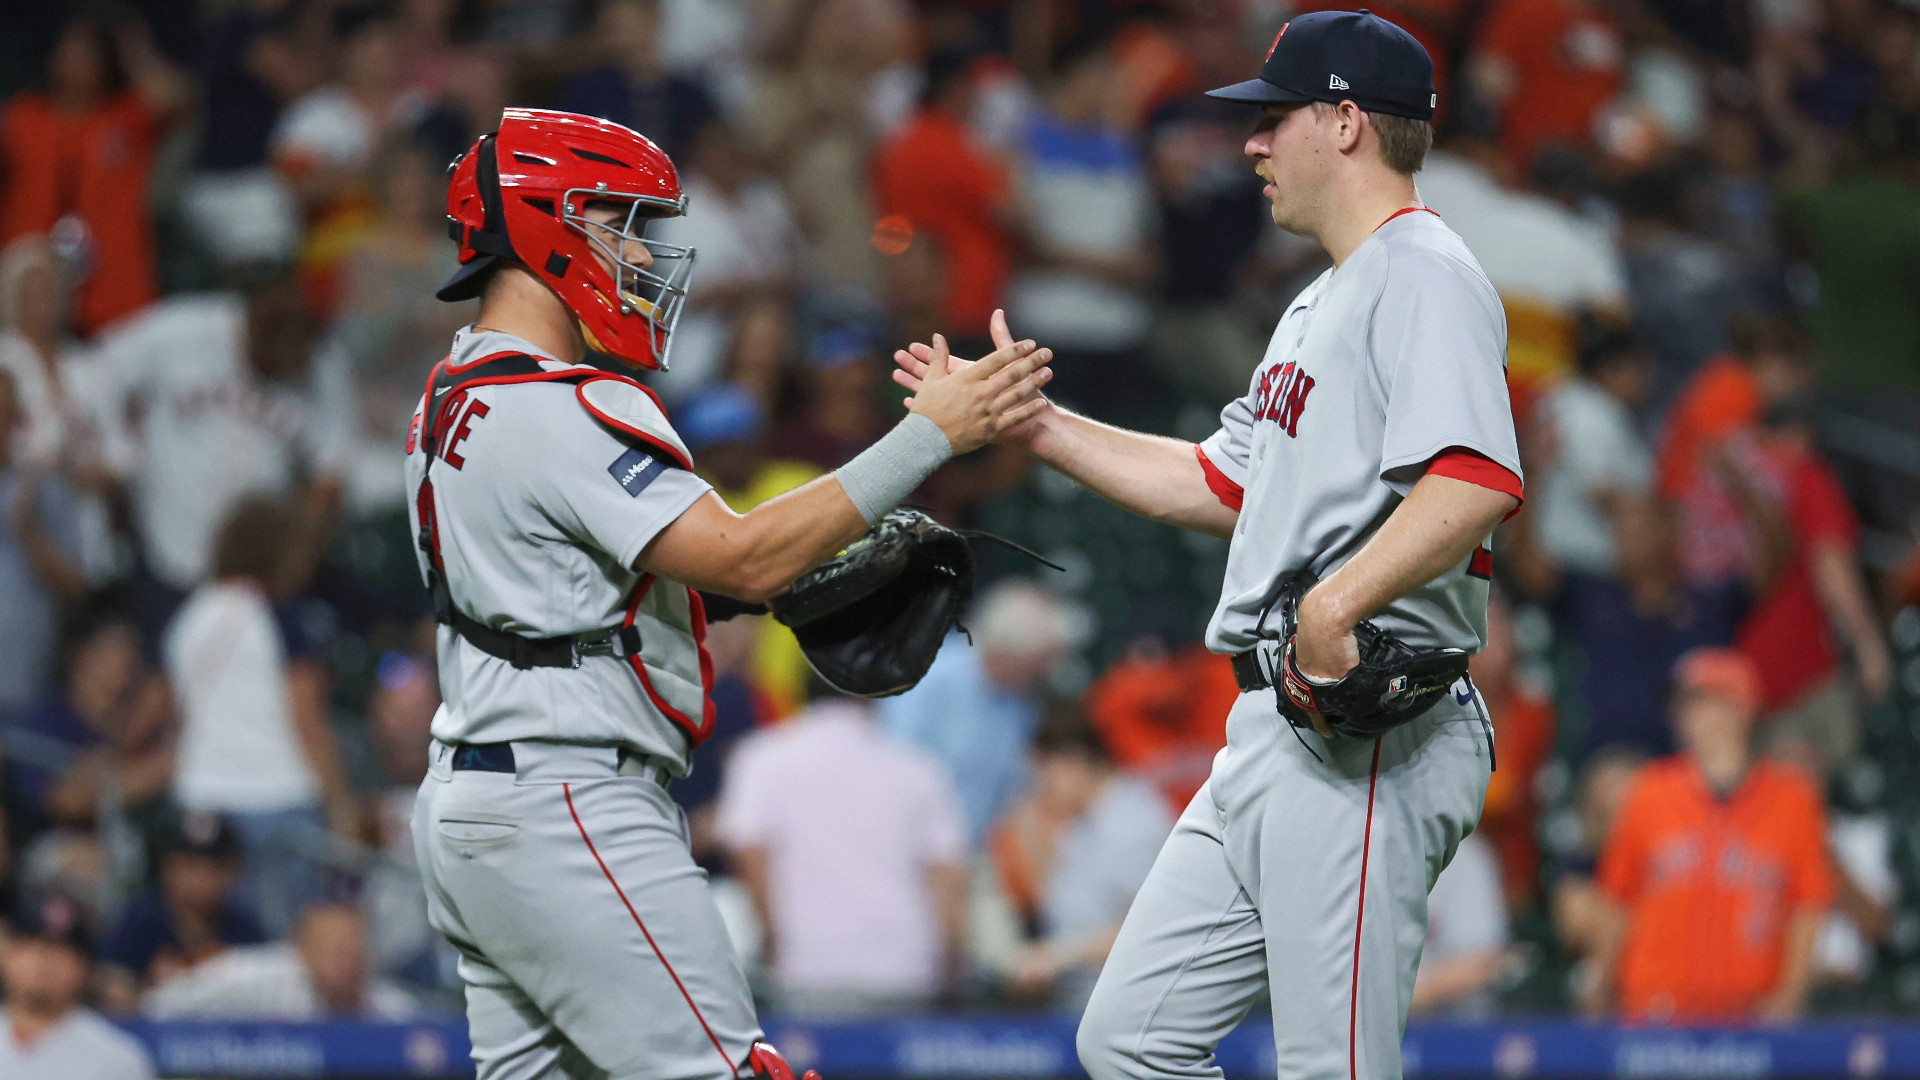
(852, 820)
(262, 982)
(747, 240)
(191, 427)
(82, 1046)
(239, 752)
(1529, 245)
(57, 431)
(1598, 448)
(1467, 914)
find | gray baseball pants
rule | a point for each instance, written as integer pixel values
(589, 944)
(1306, 877)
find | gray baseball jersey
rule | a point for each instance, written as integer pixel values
(1379, 365)
(589, 944)
(541, 510)
(1303, 866)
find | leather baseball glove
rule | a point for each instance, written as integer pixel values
(1392, 684)
(871, 619)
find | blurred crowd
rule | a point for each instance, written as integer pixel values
(222, 226)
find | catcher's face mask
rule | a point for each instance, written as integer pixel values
(650, 277)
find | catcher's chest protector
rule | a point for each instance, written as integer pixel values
(671, 663)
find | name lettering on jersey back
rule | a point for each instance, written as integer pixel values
(452, 434)
(1282, 396)
(634, 470)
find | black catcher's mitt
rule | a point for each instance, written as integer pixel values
(1393, 683)
(871, 619)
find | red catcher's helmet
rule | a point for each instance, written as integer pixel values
(521, 194)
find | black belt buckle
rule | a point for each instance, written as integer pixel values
(483, 757)
(1247, 673)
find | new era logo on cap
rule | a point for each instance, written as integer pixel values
(1335, 82)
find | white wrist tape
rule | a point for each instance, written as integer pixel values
(888, 471)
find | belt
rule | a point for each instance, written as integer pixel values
(1249, 672)
(498, 757)
(564, 651)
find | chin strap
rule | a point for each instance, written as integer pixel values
(769, 1064)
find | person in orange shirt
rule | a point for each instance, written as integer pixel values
(1716, 876)
(1523, 731)
(1163, 716)
(83, 149)
(1549, 66)
(938, 176)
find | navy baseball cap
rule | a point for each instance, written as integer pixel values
(1336, 56)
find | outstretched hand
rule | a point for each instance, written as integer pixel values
(976, 403)
(917, 362)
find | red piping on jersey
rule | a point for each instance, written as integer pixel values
(1478, 469)
(457, 368)
(1366, 848)
(697, 610)
(1230, 494)
(669, 449)
(731, 1069)
(1480, 565)
(1408, 210)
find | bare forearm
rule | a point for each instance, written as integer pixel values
(1796, 965)
(1433, 530)
(1844, 596)
(756, 555)
(1150, 475)
(307, 691)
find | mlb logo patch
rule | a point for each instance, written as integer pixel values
(634, 470)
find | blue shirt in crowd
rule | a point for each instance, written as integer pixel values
(1630, 658)
(145, 931)
(979, 731)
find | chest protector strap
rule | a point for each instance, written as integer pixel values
(446, 392)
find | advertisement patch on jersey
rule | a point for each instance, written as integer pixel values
(635, 470)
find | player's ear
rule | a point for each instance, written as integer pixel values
(1352, 124)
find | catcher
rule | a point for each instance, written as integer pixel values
(1359, 482)
(564, 536)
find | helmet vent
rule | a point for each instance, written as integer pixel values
(533, 159)
(601, 158)
(545, 206)
(557, 264)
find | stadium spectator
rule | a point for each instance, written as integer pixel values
(84, 147)
(1716, 873)
(1684, 285)
(1631, 629)
(841, 390)
(323, 973)
(49, 380)
(935, 174)
(1599, 456)
(1548, 262)
(749, 254)
(190, 917)
(324, 140)
(1071, 854)
(1580, 912)
(858, 875)
(255, 742)
(1467, 936)
(631, 86)
(203, 400)
(725, 429)
(1163, 715)
(389, 323)
(1086, 214)
(95, 746)
(1549, 67)
(1817, 607)
(38, 574)
(400, 713)
(1524, 727)
(45, 1031)
(979, 705)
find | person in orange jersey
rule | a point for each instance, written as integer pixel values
(1716, 873)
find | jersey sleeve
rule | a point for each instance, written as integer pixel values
(1224, 454)
(1438, 341)
(1623, 858)
(613, 494)
(1810, 873)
